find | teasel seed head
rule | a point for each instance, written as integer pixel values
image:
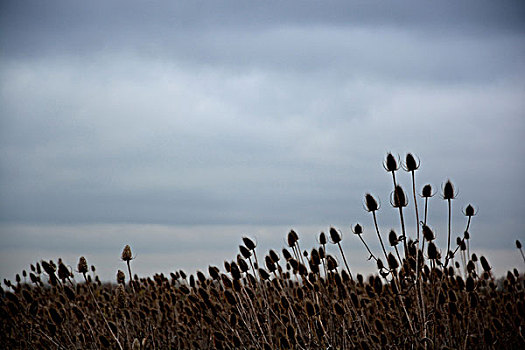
(484, 264)
(392, 262)
(432, 251)
(248, 243)
(392, 238)
(448, 191)
(518, 244)
(469, 211)
(410, 163)
(357, 229)
(398, 198)
(390, 163)
(322, 238)
(82, 266)
(121, 277)
(292, 238)
(370, 203)
(427, 191)
(335, 236)
(126, 253)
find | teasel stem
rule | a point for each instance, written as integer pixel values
(402, 219)
(449, 230)
(344, 259)
(379, 235)
(425, 222)
(421, 302)
(369, 251)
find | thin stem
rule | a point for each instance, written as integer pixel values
(344, 259)
(369, 251)
(401, 218)
(449, 224)
(379, 235)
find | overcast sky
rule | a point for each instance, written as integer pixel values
(159, 115)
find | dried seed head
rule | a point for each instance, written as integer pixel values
(371, 203)
(310, 310)
(286, 254)
(248, 243)
(126, 253)
(469, 211)
(121, 277)
(484, 264)
(398, 198)
(120, 297)
(63, 272)
(448, 191)
(427, 191)
(292, 238)
(392, 238)
(245, 252)
(432, 251)
(392, 262)
(82, 265)
(358, 229)
(335, 236)
(322, 238)
(214, 272)
(410, 163)
(518, 244)
(274, 256)
(390, 163)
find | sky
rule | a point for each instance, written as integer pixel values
(178, 127)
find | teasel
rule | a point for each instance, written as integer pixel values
(358, 230)
(371, 206)
(336, 239)
(449, 194)
(127, 257)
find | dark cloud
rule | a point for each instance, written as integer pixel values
(276, 113)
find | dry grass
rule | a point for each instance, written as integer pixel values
(296, 300)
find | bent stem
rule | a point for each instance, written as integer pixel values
(379, 235)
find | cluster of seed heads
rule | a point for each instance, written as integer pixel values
(292, 299)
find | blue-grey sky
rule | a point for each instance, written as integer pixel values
(239, 114)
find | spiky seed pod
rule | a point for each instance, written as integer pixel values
(474, 257)
(286, 254)
(331, 263)
(470, 284)
(466, 235)
(182, 274)
(314, 257)
(427, 191)
(392, 262)
(484, 264)
(243, 265)
(518, 244)
(370, 203)
(392, 238)
(270, 265)
(310, 310)
(245, 252)
(292, 238)
(410, 163)
(463, 245)
(322, 253)
(121, 277)
(235, 272)
(358, 229)
(335, 236)
(126, 253)
(214, 272)
(274, 256)
(427, 233)
(390, 163)
(322, 238)
(448, 191)
(63, 272)
(248, 243)
(432, 251)
(82, 266)
(398, 198)
(380, 265)
(227, 266)
(48, 268)
(120, 297)
(469, 211)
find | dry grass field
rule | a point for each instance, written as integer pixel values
(422, 297)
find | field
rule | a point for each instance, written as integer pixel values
(422, 297)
